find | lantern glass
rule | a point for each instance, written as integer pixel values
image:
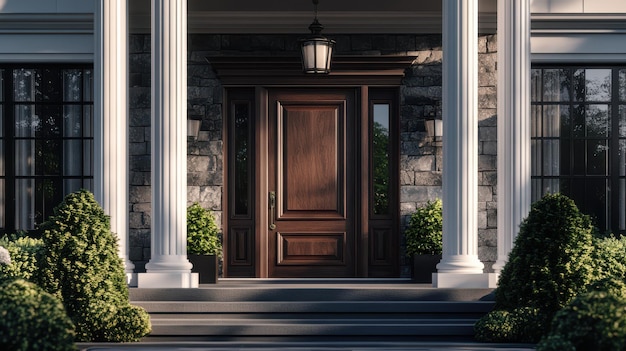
(316, 54)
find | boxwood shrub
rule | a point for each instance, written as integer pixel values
(551, 261)
(32, 319)
(25, 256)
(521, 324)
(549, 265)
(424, 232)
(81, 265)
(592, 321)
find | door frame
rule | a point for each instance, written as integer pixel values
(261, 74)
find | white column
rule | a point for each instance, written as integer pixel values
(460, 266)
(513, 122)
(111, 116)
(169, 266)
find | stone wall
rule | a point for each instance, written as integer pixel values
(420, 162)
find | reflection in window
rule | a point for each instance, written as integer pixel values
(380, 158)
(574, 114)
(241, 156)
(48, 147)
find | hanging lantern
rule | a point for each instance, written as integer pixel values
(317, 50)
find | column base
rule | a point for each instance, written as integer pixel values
(167, 280)
(465, 281)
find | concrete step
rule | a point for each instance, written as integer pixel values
(298, 311)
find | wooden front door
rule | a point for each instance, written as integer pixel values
(311, 183)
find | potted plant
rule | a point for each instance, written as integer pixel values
(424, 240)
(203, 243)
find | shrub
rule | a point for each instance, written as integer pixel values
(609, 257)
(551, 260)
(521, 324)
(592, 321)
(424, 232)
(549, 265)
(32, 319)
(25, 254)
(202, 232)
(82, 266)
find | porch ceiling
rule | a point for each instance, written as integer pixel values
(294, 16)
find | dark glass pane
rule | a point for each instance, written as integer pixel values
(598, 85)
(595, 202)
(49, 85)
(622, 85)
(556, 85)
(72, 157)
(87, 158)
(535, 85)
(48, 157)
(88, 121)
(566, 121)
(27, 124)
(242, 144)
(535, 117)
(578, 157)
(597, 120)
(535, 147)
(565, 159)
(88, 85)
(24, 204)
(622, 204)
(380, 158)
(622, 158)
(24, 157)
(578, 84)
(72, 121)
(51, 122)
(49, 193)
(24, 85)
(597, 157)
(622, 121)
(72, 85)
(552, 120)
(1, 85)
(578, 121)
(551, 156)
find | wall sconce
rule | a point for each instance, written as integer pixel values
(193, 126)
(317, 50)
(434, 129)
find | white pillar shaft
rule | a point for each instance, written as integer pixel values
(111, 130)
(169, 138)
(513, 122)
(460, 137)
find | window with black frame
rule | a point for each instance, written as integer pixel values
(46, 140)
(579, 139)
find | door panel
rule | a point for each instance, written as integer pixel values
(311, 206)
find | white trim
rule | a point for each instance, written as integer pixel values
(335, 22)
(578, 58)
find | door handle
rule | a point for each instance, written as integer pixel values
(272, 200)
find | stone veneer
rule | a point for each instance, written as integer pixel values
(420, 162)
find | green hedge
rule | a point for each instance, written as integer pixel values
(202, 232)
(32, 319)
(549, 265)
(25, 255)
(424, 232)
(82, 266)
(592, 321)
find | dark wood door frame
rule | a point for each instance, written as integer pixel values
(360, 74)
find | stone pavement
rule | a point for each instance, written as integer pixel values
(307, 346)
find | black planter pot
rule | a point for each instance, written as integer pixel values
(206, 266)
(423, 268)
